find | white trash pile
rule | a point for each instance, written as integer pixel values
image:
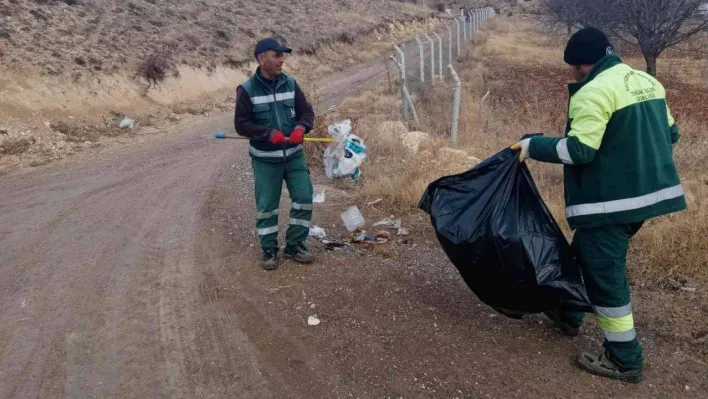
(345, 155)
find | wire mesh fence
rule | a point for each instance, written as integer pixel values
(427, 76)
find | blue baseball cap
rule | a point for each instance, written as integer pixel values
(270, 43)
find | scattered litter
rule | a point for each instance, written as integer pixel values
(353, 218)
(319, 232)
(333, 245)
(312, 306)
(319, 198)
(403, 232)
(126, 123)
(374, 202)
(688, 289)
(313, 320)
(390, 222)
(381, 237)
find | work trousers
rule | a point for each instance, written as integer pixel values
(603, 260)
(269, 182)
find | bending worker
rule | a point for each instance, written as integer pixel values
(273, 112)
(619, 171)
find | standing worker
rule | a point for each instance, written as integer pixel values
(618, 171)
(273, 112)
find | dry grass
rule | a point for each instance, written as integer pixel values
(519, 74)
(111, 35)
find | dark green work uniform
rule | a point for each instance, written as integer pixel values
(264, 107)
(618, 172)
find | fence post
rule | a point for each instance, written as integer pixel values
(449, 43)
(422, 58)
(411, 108)
(406, 100)
(440, 55)
(457, 22)
(455, 105)
(401, 63)
(432, 58)
(473, 23)
(464, 28)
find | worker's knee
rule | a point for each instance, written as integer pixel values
(301, 191)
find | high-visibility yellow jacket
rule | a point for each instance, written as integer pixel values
(617, 149)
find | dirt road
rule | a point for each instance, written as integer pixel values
(136, 274)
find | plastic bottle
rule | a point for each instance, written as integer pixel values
(352, 218)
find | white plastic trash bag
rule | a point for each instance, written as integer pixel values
(345, 155)
(340, 130)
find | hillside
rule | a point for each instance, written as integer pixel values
(505, 7)
(77, 36)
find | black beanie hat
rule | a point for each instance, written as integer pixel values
(586, 47)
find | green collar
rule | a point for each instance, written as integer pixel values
(270, 83)
(604, 64)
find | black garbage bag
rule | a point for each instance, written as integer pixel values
(498, 232)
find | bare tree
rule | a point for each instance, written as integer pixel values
(579, 13)
(657, 25)
(653, 25)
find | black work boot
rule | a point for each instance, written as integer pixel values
(603, 366)
(299, 254)
(565, 327)
(270, 259)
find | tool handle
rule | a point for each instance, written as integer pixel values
(221, 135)
(319, 139)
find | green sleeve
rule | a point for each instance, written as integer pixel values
(569, 150)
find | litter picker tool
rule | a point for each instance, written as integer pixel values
(220, 135)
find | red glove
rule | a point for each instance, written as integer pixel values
(278, 138)
(296, 137)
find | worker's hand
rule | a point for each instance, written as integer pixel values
(296, 137)
(523, 148)
(278, 138)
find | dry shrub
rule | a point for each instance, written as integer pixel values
(673, 247)
(154, 67)
(75, 133)
(434, 107)
(16, 146)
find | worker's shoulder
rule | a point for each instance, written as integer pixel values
(246, 87)
(290, 79)
(608, 80)
(622, 78)
(621, 86)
